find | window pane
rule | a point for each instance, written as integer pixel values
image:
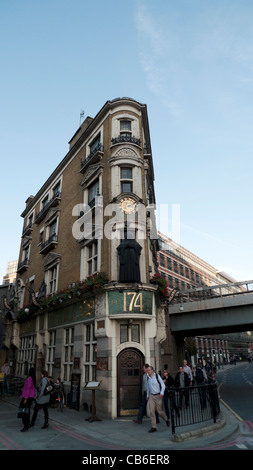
(135, 333)
(123, 333)
(125, 126)
(126, 172)
(126, 187)
(93, 191)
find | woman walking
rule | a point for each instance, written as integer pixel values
(42, 400)
(28, 395)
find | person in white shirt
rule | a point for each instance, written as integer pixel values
(188, 370)
(155, 392)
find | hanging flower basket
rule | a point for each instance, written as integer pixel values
(162, 284)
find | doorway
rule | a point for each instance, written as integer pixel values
(130, 364)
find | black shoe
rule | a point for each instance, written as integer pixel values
(45, 426)
(24, 430)
(31, 425)
(152, 430)
(168, 423)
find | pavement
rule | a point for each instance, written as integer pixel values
(123, 433)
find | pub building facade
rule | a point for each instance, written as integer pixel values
(88, 308)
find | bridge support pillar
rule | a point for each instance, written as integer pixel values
(172, 353)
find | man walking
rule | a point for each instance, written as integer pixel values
(155, 392)
(188, 370)
(143, 404)
(182, 382)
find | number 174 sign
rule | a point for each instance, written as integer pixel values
(130, 302)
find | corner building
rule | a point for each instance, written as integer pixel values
(86, 310)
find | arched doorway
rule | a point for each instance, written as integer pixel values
(130, 364)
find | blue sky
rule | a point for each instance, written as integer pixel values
(191, 62)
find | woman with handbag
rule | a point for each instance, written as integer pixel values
(28, 395)
(42, 399)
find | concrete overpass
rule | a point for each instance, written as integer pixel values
(213, 313)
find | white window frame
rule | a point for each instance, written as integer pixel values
(26, 353)
(51, 351)
(68, 353)
(86, 259)
(89, 353)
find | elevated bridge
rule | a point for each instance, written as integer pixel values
(224, 308)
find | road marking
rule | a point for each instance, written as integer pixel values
(9, 443)
(241, 446)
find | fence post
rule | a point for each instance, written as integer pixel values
(172, 417)
(214, 401)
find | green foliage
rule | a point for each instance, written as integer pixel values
(77, 289)
(162, 285)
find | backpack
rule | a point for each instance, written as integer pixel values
(48, 388)
(199, 375)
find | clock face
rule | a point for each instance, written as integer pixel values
(128, 205)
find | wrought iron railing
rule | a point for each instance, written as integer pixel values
(43, 211)
(98, 148)
(52, 239)
(126, 138)
(192, 405)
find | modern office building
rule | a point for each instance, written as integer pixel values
(11, 272)
(188, 273)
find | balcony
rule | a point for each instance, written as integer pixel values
(49, 244)
(123, 138)
(28, 229)
(53, 202)
(93, 157)
(23, 265)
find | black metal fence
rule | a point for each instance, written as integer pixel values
(193, 405)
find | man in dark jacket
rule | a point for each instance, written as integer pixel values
(182, 383)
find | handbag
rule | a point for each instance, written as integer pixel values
(48, 389)
(23, 411)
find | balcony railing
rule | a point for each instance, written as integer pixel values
(50, 243)
(95, 155)
(126, 138)
(23, 265)
(56, 197)
(28, 229)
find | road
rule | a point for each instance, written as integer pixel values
(236, 393)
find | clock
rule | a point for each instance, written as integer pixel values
(128, 205)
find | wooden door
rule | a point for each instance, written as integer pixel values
(130, 364)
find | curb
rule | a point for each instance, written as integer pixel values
(196, 433)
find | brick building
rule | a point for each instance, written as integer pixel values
(84, 312)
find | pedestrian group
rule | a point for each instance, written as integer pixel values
(157, 390)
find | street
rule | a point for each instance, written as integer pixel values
(70, 431)
(235, 390)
